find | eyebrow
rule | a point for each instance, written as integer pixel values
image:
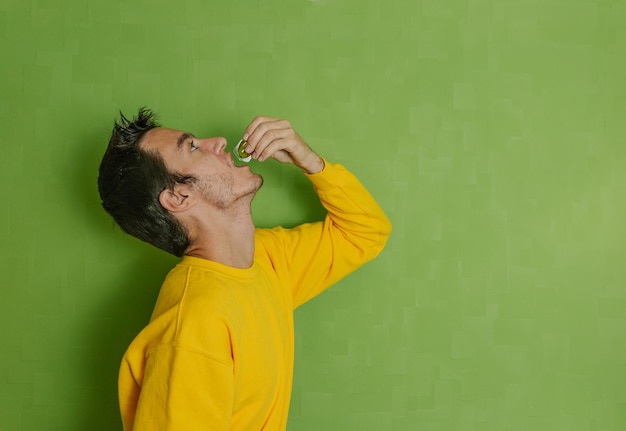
(182, 138)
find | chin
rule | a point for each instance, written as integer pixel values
(255, 184)
(259, 179)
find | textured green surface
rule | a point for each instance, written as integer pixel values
(492, 132)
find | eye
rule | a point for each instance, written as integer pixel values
(192, 147)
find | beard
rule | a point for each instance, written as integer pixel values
(219, 189)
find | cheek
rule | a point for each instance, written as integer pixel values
(217, 188)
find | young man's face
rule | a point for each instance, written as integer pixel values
(219, 181)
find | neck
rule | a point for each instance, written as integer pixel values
(224, 238)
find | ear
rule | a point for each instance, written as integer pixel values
(177, 199)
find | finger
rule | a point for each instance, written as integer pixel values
(277, 150)
(265, 126)
(265, 132)
(255, 123)
(268, 139)
(255, 131)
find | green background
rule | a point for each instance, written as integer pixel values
(491, 132)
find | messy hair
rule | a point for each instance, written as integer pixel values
(130, 181)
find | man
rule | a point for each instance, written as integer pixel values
(218, 351)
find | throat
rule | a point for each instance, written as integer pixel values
(231, 246)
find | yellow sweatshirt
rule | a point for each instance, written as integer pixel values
(218, 351)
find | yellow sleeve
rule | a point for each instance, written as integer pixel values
(184, 390)
(316, 255)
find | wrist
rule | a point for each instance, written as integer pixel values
(314, 166)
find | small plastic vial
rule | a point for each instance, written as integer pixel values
(240, 152)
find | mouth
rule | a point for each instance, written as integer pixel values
(233, 163)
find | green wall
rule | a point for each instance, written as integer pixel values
(492, 132)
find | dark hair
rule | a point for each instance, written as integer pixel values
(130, 181)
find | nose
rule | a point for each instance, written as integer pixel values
(216, 145)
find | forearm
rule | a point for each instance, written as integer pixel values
(313, 256)
(352, 209)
